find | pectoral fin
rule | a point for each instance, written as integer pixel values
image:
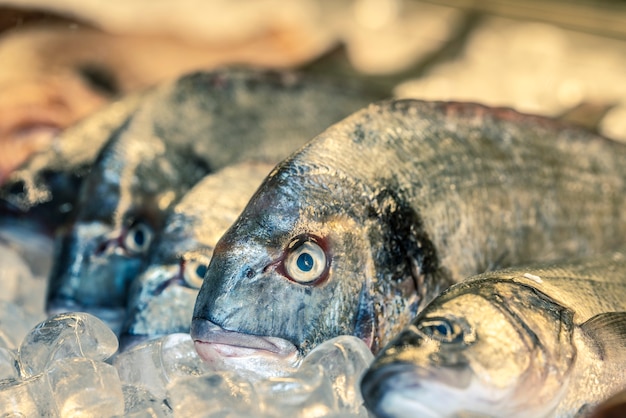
(608, 334)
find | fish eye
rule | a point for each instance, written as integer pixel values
(306, 261)
(138, 238)
(194, 272)
(443, 330)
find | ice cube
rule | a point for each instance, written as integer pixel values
(326, 382)
(155, 363)
(85, 388)
(139, 403)
(9, 368)
(74, 334)
(344, 360)
(219, 394)
(14, 324)
(26, 398)
(306, 393)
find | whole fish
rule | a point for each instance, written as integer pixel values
(370, 220)
(198, 124)
(161, 299)
(545, 341)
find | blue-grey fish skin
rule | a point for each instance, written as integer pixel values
(162, 297)
(540, 341)
(397, 202)
(198, 124)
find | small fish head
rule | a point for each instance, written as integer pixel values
(93, 266)
(471, 348)
(290, 268)
(161, 299)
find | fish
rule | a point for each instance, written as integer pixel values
(162, 297)
(528, 341)
(200, 123)
(356, 231)
(42, 191)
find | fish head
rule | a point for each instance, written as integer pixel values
(162, 297)
(93, 266)
(485, 348)
(286, 276)
(122, 204)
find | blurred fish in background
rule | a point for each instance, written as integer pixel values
(162, 298)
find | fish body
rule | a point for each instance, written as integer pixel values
(543, 341)
(356, 231)
(196, 125)
(161, 299)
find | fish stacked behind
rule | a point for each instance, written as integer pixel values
(531, 341)
(43, 191)
(179, 133)
(161, 299)
(357, 231)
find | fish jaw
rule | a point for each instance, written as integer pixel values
(159, 303)
(228, 350)
(392, 391)
(401, 390)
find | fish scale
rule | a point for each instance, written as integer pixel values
(592, 287)
(406, 197)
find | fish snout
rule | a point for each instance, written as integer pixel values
(228, 350)
(381, 381)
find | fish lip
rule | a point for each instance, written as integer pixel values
(394, 378)
(390, 376)
(206, 333)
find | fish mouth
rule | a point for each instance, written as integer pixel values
(377, 381)
(236, 344)
(392, 391)
(222, 348)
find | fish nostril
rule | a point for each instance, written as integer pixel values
(250, 273)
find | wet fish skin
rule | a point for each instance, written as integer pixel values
(528, 341)
(200, 123)
(161, 299)
(405, 198)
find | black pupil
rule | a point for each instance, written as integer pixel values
(305, 262)
(443, 329)
(201, 270)
(139, 237)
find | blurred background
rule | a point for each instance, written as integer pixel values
(61, 60)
